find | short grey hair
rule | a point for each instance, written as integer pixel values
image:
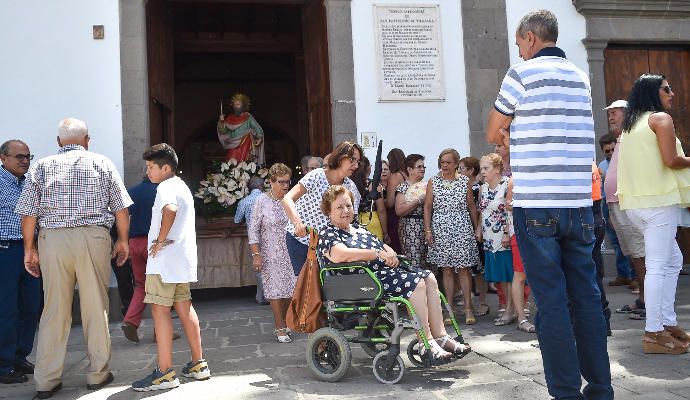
(255, 182)
(305, 162)
(542, 23)
(72, 128)
(5, 147)
(319, 159)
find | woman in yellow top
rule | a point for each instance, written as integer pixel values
(653, 184)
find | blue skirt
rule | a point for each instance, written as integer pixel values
(498, 266)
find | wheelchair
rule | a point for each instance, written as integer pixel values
(379, 327)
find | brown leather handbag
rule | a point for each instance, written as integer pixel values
(305, 313)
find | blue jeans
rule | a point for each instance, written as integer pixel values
(623, 267)
(297, 252)
(556, 247)
(20, 306)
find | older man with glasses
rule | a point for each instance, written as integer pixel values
(20, 293)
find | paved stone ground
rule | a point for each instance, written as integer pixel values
(247, 363)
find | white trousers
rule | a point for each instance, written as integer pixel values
(663, 262)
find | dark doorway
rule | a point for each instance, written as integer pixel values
(201, 53)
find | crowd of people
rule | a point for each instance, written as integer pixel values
(529, 217)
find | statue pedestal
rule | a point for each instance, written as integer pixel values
(223, 253)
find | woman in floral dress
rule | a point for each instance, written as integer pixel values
(266, 233)
(449, 219)
(496, 228)
(410, 208)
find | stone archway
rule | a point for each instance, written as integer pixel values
(623, 22)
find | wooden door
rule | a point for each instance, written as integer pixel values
(315, 42)
(161, 77)
(624, 64)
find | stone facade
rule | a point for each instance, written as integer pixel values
(485, 40)
(624, 21)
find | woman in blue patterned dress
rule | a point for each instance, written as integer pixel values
(341, 241)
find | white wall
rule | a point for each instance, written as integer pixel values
(52, 68)
(416, 127)
(571, 27)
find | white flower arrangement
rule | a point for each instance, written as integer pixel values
(228, 185)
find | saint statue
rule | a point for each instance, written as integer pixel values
(239, 132)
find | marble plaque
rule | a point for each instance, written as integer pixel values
(408, 53)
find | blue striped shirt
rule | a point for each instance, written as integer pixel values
(10, 190)
(552, 132)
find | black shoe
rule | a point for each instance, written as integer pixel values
(48, 393)
(106, 381)
(609, 333)
(130, 332)
(25, 367)
(13, 377)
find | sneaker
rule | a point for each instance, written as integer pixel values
(157, 381)
(198, 370)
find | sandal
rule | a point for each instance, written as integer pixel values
(469, 317)
(483, 310)
(526, 326)
(282, 338)
(504, 322)
(437, 352)
(457, 348)
(662, 343)
(638, 315)
(631, 308)
(678, 334)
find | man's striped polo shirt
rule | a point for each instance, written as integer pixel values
(552, 132)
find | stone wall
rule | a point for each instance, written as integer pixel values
(486, 42)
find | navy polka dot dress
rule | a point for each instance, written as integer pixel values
(395, 281)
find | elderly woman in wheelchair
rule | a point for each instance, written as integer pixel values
(350, 257)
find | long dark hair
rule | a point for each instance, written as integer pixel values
(360, 177)
(644, 97)
(396, 161)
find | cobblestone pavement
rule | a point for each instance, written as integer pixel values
(248, 363)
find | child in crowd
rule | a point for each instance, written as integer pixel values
(171, 266)
(495, 228)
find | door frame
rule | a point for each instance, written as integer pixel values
(134, 79)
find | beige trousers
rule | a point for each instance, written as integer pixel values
(69, 256)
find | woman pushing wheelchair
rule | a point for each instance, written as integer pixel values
(342, 241)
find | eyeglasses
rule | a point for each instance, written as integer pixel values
(666, 89)
(22, 157)
(609, 151)
(355, 160)
(284, 183)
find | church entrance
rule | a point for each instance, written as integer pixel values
(273, 51)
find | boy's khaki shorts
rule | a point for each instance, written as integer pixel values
(165, 294)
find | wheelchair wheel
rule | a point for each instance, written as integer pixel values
(413, 353)
(328, 354)
(388, 377)
(372, 349)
